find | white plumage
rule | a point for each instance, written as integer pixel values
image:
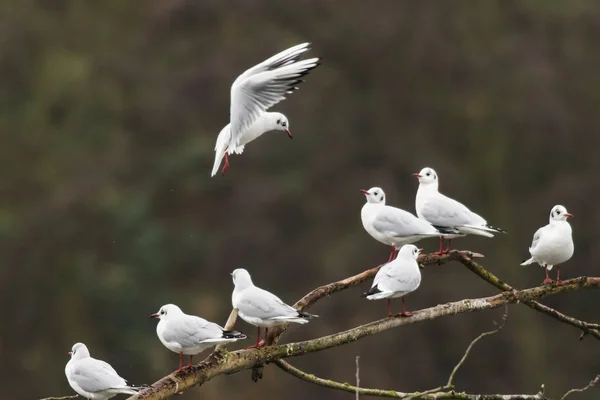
(445, 213)
(94, 379)
(552, 244)
(390, 225)
(253, 93)
(261, 308)
(189, 334)
(397, 278)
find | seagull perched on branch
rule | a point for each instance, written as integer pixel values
(188, 334)
(397, 279)
(253, 93)
(261, 308)
(94, 379)
(445, 213)
(393, 226)
(552, 244)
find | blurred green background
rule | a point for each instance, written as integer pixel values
(109, 114)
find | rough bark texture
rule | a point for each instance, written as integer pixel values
(223, 362)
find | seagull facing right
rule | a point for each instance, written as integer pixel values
(391, 225)
(188, 334)
(443, 212)
(397, 279)
(261, 308)
(552, 244)
(94, 379)
(253, 93)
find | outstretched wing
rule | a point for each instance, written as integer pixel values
(265, 85)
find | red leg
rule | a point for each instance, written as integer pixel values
(441, 246)
(180, 362)
(257, 339)
(547, 280)
(404, 312)
(448, 248)
(263, 342)
(391, 257)
(226, 166)
(389, 307)
(558, 281)
(190, 364)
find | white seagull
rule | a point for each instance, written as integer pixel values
(261, 308)
(397, 278)
(94, 379)
(443, 212)
(253, 93)
(393, 226)
(552, 244)
(188, 334)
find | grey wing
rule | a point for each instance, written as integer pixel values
(536, 238)
(444, 211)
(191, 330)
(259, 303)
(96, 375)
(396, 277)
(399, 223)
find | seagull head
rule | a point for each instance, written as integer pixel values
(78, 351)
(559, 213)
(241, 278)
(409, 251)
(427, 176)
(166, 311)
(281, 123)
(374, 195)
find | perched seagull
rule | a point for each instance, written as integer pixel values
(94, 379)
(443, 212)
(393, 226)
(552, 244)
(397, 279)
(261, 308)
(253, 93)
(188, 334)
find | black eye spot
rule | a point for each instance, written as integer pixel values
(428, 174)
(375, 193)
(279, 120)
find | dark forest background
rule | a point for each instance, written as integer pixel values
(109, 111)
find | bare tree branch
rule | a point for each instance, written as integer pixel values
(465, 259)
(433, 394)
(593, 383)
(65, 397)
(357, 377)
(223, 362)
(477, 339)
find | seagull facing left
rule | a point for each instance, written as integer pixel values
(253, 93)
(260, 308)
(94, 379)
(443, 212)
(188, 334)
(552, 244)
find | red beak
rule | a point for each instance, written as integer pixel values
(154, 316)
(568, 215)
(363, 191)
(417, 174)
(289, 134)
(70, 353)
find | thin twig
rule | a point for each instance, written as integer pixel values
(593, 383)
(586, 327)
(61, 398)
(477, 339)
(432, 394)
(357, 378)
